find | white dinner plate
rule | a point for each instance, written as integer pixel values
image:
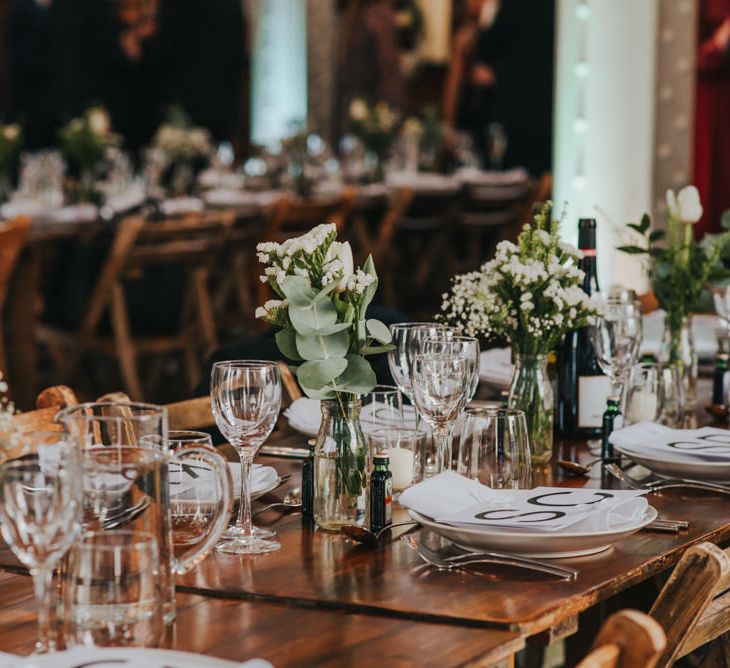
(109, 657)
(535, 544)
(667, 468)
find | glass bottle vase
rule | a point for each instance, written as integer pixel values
(678, 350)
(531, 392)
(340, 465)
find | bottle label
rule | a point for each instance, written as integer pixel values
(593, 392)
(388, 500)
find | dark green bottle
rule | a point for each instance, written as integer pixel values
(720, 378)
(308, 485)
(381, 494)
(612, 419)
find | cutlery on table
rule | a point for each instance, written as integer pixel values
(669, 526)
(365, 535)
(665, 483)
(576, 468)
(457, 561)
(292, 501)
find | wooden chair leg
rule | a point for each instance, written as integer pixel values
(124, 344)
(204, 308)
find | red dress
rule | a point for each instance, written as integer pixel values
(712, 118)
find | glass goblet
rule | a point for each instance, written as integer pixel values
(246, 399)
(446, 342)
(41, 507)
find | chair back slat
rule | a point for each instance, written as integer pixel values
(687, 594)
(628, 639)
(294, 216)
(12, 237)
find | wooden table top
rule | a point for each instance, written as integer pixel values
(285, 635)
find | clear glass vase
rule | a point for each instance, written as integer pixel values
(531, 392)
(183, 179)
(340, 465)
(678, 350)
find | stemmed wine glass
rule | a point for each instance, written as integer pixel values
(41, 507)
(616, 340)
(445, 342)
(246, 399)
(441, 383)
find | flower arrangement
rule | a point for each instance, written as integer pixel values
(321, 317)
(376, 126)
(321, 312)
(9, 433)
(679, 268)
(185, 147)
(84, 140)
(528, 294)
(11, 138)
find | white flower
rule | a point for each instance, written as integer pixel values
(99, 121)
(685, 206)
(358, 109)
(343, 253)
(11, 132)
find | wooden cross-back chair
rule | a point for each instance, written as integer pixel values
(628, 639)
(693, 607)
(12, 238)
(192, 243)
(541, 191)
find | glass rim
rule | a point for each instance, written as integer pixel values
(180, 434)
(455, 338)
(138, 539)
(398, 430)
(243, 364)
(419, 325)
(383, 389)
(148, 410)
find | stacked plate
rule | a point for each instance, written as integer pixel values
(548, 522)
(698, 454)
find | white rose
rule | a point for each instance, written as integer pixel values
(343, 253)
(358, 110)
(99, 121)
(685, 206)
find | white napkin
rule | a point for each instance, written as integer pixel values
(704, 328)
(76, 213)
(495, 367)
(228, 197)
(183, 486)
(104, 657)
(220, 178)
(423, 181)
(691, 445)
(305, 416)
(131, 197)
(181, 205)
(452, 499)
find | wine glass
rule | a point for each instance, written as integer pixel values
(40, 508)
(440, 386)
(617, 339)
(246, 399)
(446, 342)
(495, 449)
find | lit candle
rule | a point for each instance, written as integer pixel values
(643, 406)
(401, 466)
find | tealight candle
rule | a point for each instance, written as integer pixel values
(643, 406)
(402, 462)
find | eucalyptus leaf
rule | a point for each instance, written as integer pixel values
(377, 350)
(286, 341)
(725, 220)
(379, 331)
(327, 392)
(333, 329)
(315, 347)
(298, 291)
(314, 317)
(358, 378)
(369, 293)
(325, 292)
(315, 374)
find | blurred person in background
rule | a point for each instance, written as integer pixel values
(370, 64)
(712, 114)
(515, 55)
(467, 104)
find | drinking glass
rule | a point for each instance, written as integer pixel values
(671, 396)
(440, 387)
(406, 451)
(643, 393)
(246, 398)
(406, 339)
(616, 340)
(112, 593)
(40, 508)
(495, 448)
(446, 342)
(381, 409)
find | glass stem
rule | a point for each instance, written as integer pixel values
(243, 521)
(443, 454)
(42, 585)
